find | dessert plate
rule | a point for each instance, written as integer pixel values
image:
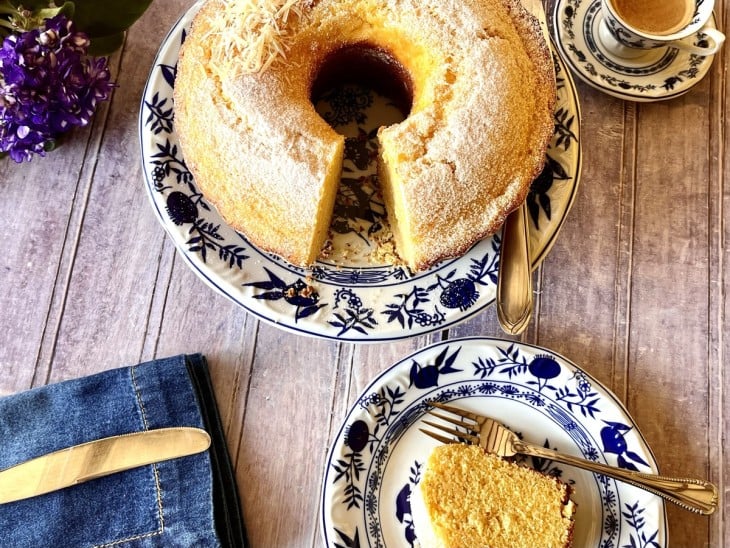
(660, 74)
(351, 295)
(378, 454)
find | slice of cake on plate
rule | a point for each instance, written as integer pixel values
(468, 498)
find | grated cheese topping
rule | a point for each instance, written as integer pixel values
(255, 32)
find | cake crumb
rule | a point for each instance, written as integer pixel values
(327, 249)
(385, 249)
(305, 290)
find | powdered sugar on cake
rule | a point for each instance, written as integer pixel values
(475, 137)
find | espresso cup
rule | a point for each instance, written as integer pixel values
(631, 27)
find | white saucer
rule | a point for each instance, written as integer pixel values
(660, 74)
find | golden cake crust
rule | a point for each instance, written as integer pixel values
(466, 161)
(258, 151)
(476, 136)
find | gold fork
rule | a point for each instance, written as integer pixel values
(691, 494)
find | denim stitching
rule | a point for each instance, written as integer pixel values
(138, 395)
(130, 539)
(161, 529)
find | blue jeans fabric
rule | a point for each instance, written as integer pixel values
(185, 502)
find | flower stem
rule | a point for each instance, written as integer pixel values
(5, 8)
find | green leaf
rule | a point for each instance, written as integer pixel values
(31, 4)
(104, 45)
(66, 9)
(109, 18)
(33, 14)
(51, 144)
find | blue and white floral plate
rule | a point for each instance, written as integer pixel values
(660, 74)
(378, 455)
(353, 299)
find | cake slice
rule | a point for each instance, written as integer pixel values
(468, 498)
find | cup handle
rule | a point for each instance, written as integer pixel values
(714, 42)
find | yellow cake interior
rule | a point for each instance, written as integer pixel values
(478, 500)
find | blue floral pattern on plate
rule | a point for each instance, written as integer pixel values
(378, 454)
(345, 296)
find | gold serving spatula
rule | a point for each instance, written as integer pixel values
(514, 284)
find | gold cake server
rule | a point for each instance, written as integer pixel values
(514, 284)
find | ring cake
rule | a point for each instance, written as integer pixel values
(468, 498)
(474, 79)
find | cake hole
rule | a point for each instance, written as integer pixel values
(358, 89)
(368, 66)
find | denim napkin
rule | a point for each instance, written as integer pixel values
(185, 502)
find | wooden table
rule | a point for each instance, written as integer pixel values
(634, 291)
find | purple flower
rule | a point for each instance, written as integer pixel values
(47, 86)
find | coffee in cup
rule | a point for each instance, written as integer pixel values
(655, 16)
(628, 28)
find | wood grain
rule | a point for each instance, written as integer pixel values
(634, 291)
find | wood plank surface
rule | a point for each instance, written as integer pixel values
(634, 291)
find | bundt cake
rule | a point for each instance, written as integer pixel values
(474, 78)
(468, 498)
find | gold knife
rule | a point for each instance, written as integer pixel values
(98, 458)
